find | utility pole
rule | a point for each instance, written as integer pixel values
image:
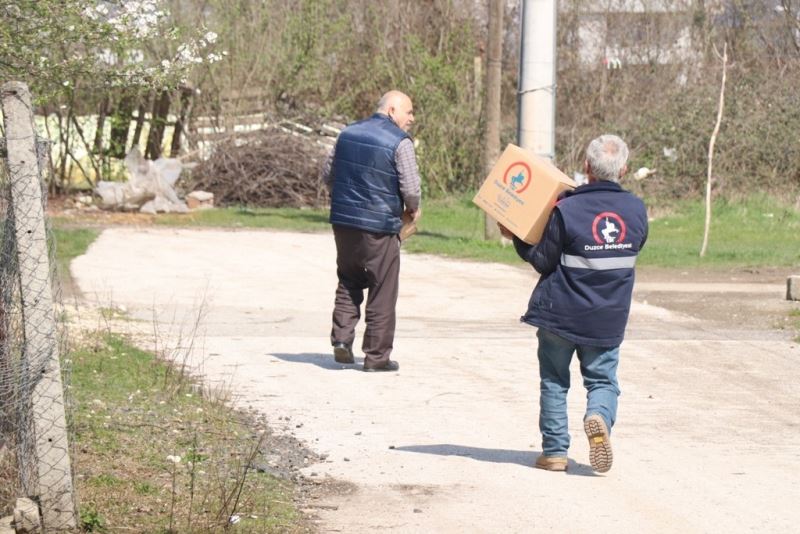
(537, 78)
(494, 64)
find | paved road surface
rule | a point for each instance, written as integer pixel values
(708, 434)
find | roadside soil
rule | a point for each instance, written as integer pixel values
(707, 437)
(726, 298)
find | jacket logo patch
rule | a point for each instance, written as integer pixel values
(608, 228)
(517, 177)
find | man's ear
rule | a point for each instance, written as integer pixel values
(586, 167)
(624, 170)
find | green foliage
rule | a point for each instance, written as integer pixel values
(754, 150)
(454, 228)
(449, 130)
(341, 60)
(59, 47)
(105, 479)
(125, 369)
(91, 520)
(120, 398)
(757, 231)
(144, 488)
(753, 232)
(69, 243)
(317, 36)
(664, 96)
(236, 217)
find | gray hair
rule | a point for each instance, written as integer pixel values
(383, 103)
(607, 156)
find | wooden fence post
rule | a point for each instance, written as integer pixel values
(54, 482)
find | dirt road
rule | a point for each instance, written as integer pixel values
(708, 434)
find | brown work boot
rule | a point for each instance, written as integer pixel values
(600, 455)
(389, 366)
(551, 463)
(342, 353)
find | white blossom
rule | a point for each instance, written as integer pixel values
(107, 56)
(135, 56)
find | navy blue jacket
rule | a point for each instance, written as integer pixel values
(586, 258)
(366, 191)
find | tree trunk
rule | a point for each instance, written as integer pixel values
(120, 126)
(494, 66)
(137, 132)
(177, 134)
(724, 59)
(97, 146)
(157, 124)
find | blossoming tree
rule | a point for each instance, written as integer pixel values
(103, 59)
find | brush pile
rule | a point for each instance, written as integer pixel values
(274, 168)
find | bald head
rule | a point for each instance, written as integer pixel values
(398, 107)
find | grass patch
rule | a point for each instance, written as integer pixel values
(129, 419)
(753, 232)
(69, 244)
(306, 220)
(757, 231)
(454, 228)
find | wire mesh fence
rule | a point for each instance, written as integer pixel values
(34, 444)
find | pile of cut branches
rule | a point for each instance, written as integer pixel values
(272, 169)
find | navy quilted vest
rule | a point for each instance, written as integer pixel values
(366, 189)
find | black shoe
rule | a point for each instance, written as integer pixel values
(390, 366)
(342, 353)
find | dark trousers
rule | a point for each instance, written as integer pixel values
(365, 260)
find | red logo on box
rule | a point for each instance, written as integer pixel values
(517, 176)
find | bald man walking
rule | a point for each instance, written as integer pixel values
(374, 183)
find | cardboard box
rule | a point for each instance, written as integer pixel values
(409, 227)
(521, 191)
(408, 230)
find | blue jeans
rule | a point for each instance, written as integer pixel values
(599, 370)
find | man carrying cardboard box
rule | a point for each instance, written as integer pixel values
(586, 259)
(375, 188)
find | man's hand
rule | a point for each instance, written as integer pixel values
(505, 232)
(412, 215)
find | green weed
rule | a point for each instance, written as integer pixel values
(180, 462)
(91, 520)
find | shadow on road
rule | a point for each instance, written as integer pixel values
(499, 456)
(325, 361)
